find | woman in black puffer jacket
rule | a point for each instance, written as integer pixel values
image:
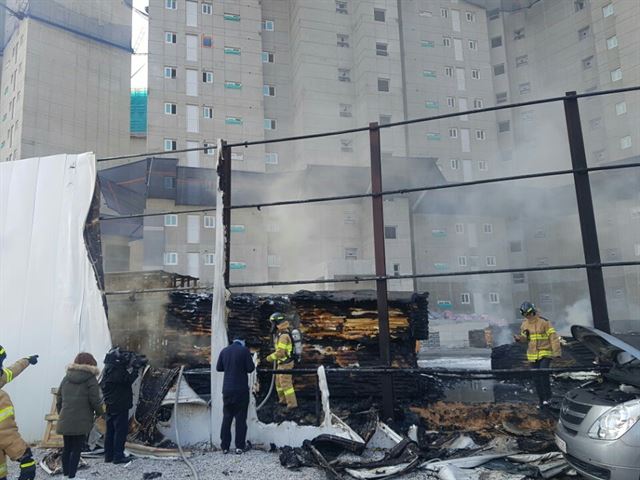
(78, 403)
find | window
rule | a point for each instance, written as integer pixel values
(268, 25)
(230, 85)
(518, 277)
(480, 135)
(448, 71)
(171, 220)
(583, 33)
(496, 42)
(446, 41)
(524, 88)
(459, 227)
(350, 253)
(515, 246)
(379, 14)
(621, 108)
(273, 261)
(595, 123)
(349, 218)
(207, 9)
(493, 14)
(271, 158)
(268, 57)
(381, 49)
(209, 221)
(522, 60)
(233, 121)
(207, 112)
(475, 74)
(383, 84)
(170, 4)
(207, 77)
(343, 40)
(433, 136)
(209, 258)
(612, 42)
(341, 7)
(269, 124)
(346, 145)
(494, 297)
(170, 108)
(491, 261)
(478, 103)
(473, 45)
(465, 298)
(453, 133)
(344, 74)
(462, 261)
(518, 34)
(396, 269)
(444, 13)
(208, 148)
(607, 10)
(501, 97)
(504, 126)
(384, 119)
(207, 41)
(170, 72)
(470, 16)
(579, 5)
(454, 163)
(587, 63)
(451, 102)
(232, 51)
(636, 249)
(170, 37)
(487, 228)
(390, 232)
(425, 13)
(498, 69)
(231, 17)
(483, 166)
(345, 110)
(170, 258)
(616, 75)
(170, 145)
(625, 142)
(268, 90)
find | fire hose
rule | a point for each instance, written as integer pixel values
(175, 423)
(273, 381)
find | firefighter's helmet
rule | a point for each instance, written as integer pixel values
(527, 308)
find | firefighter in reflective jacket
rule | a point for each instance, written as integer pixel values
(283, 356)
(11, 443)
(543, 344)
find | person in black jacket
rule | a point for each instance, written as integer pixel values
(117, 380)
(236, 362)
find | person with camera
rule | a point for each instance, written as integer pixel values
(120, 371)
(11, 443)
(78, 403)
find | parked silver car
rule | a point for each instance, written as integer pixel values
(598, 431)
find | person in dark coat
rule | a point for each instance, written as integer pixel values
(236, 362)
(78, 403)
(117, 380)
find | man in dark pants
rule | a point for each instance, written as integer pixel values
(117, 378)
(236, 362)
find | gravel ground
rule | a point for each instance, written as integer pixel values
(253, 465)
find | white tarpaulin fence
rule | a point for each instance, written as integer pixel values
(50, 303)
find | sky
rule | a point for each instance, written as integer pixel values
(139, 40)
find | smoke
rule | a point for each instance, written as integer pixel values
(578, 313)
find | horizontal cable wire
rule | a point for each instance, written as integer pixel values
(387, 125)
(400, 191)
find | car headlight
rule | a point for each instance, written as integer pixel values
(616, 422)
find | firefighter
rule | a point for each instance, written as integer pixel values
(11, 443)
(283, 356)
(543, 344)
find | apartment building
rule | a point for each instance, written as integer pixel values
(263, 70)
(65, 78)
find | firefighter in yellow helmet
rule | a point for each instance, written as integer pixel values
(543, 344)
(283, 356)
(11, 443)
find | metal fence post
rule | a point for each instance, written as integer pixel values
(224, 174)
(381, 269)
(586, 214)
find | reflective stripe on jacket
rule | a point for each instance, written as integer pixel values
(542, 337)
(283, 349)
(10, 440)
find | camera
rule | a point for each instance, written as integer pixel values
(115, 356)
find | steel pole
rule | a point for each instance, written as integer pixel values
(384, 336)
(586, 214)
